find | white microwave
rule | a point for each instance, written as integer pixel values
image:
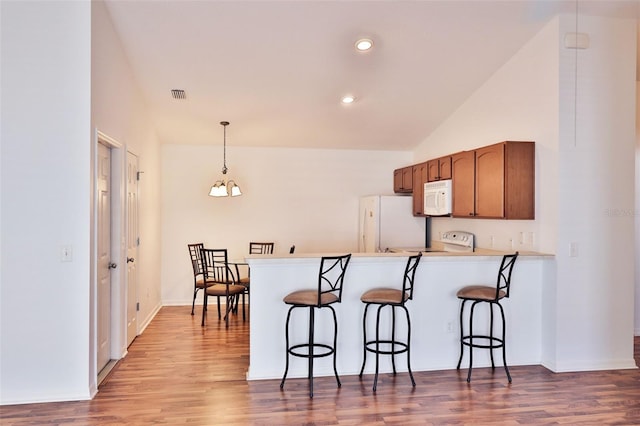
(437, 198)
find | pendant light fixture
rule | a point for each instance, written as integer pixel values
(220, 188)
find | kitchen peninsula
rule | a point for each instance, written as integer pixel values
(434, 309)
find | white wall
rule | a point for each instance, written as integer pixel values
(46, 134)
(589, 323)
(63, 74)
(596, 286)
(119, 110)
(637, 211)
(306, 197)
(520, 103)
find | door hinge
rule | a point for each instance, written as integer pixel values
(138, 175)
(137, 306)
(138, 241)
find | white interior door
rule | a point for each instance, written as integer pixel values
(133, 242)
(103, 306)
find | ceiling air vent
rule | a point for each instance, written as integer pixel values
(178, 94)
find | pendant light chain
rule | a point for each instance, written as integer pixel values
(224, 147)
(222, 188)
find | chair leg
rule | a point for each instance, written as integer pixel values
(193, 304)
(244, 317)
(393, 339)
(504, 342)
(286, 333)
(364, 334)
(311, 340)
(228, 310)
(219, 316)
(473, 306)
(493, 365)
(204, 308)
(335, 345)
(406, 311)
(461, 334)
(375, 377)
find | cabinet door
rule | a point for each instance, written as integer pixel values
(444, 165)
(519, 184)
(439, 169)
(407, 179)
(463, 182)
(419, 179)
(489, 201)
(403, 179)
(397, 180)
(433, 170)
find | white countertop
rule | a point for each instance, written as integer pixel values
(478, 252)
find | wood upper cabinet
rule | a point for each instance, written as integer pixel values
(439, 169)
(489, 177)
(420, 172)
(496, 181)
(463, 184)
(403, 180)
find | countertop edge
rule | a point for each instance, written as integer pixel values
(476, 255)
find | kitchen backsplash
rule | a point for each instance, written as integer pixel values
(497, 234)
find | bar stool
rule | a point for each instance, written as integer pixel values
(395, 298)
(329, 291)
(491, 295)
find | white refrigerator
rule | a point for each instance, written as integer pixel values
(387, 221)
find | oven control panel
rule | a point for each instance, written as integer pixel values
(458, 241)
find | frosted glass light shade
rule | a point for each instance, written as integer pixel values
(219, 189)
(235, 189)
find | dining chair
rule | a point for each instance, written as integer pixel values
(199, 283)
(261, 248)
(223, 282)
(254, 248)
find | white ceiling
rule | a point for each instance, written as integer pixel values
(277, 69)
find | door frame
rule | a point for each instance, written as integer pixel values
(118, 255)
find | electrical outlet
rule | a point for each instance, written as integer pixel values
(450, 327)
(573, 250)
(66, 254)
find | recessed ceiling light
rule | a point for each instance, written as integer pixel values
(348, 99)
(364, 44)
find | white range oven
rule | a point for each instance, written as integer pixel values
(451, 241)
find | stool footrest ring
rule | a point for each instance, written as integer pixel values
(370, 346)
(329, 350)
(490, 342)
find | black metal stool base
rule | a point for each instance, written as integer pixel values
(482, 341)
(394, 346)
(308, 350)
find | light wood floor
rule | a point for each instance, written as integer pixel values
(179, 373)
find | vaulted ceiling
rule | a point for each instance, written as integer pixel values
(276, 70)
